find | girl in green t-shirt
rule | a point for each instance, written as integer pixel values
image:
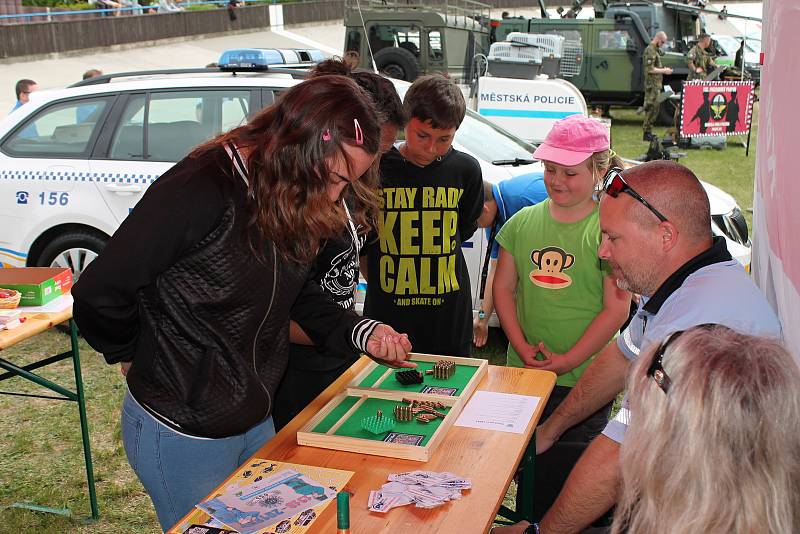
(557, 301)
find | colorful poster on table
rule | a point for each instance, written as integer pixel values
(716, 108)
(268, 497)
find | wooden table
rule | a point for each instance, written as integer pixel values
(489, 458)
(36, 323)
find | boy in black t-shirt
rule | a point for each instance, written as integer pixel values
(431, 197)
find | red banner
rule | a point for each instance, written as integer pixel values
(716, 108)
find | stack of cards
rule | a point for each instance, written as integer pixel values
(426, 489)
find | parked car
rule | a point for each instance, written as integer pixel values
(728, 45)
(74, 161)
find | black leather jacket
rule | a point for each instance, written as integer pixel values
(178, 292)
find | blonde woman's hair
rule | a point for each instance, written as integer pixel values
(720, 452)
(601, 162)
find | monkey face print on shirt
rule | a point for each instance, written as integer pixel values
(551, 264)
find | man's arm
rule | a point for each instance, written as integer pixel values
(599, 384)
(480, 327)
(590, 490)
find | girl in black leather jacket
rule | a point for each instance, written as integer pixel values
(194, 292)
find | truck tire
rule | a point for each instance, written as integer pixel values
(397, 63)
(74, 249)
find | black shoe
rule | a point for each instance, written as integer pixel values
(647, 136)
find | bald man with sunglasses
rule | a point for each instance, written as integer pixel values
(656, 225)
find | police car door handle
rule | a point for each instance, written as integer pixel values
(123, 189)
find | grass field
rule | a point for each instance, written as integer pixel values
(41, 459)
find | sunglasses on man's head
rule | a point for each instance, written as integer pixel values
(614, 184)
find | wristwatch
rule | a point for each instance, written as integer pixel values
(481, 314)
(533, 528)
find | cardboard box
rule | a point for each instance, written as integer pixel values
(38, 285)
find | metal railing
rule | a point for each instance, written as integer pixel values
(152, 9)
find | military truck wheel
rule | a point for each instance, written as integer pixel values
(397, 63)
(666, 113)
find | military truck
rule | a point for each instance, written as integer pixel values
(603, 56)
(406, 38)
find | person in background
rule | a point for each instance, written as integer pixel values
(168, 6)
(500, 202)
(653, 82)
(194, 292)
(92, 73)
(84, 112)
(231, 7)
(23, 89)
(431, 197)
(311, 369)
(714, 437)
(698, 59)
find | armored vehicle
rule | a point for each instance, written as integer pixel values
(603, 55)
(407, 38)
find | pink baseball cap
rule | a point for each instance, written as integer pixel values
(573, 140)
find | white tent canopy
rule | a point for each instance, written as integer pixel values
(776, 215)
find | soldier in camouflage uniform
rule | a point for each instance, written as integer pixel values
(653, 82)
(699, 60)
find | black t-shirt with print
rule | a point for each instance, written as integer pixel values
(336, 271)
(418, 281)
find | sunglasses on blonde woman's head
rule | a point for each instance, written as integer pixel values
(614, 184)
(656, 370)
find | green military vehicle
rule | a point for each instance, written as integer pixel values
(407, 38)
(603, 56)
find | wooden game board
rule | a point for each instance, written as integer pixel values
(338, 424)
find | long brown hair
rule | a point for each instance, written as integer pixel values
(288, 145)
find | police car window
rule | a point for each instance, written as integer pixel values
(488, 142)
(61, 130)
(177, 121)
(614, 39)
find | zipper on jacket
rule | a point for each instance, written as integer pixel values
(264, 320)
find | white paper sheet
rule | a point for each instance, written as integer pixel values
(505, 412)
(56, 305)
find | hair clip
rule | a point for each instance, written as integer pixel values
(359, 132)
(326, 135)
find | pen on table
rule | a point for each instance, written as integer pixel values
(343, 512)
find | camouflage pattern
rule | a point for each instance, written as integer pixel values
(652, 85)
(701, 59)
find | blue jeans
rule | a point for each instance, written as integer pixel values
(177, 470)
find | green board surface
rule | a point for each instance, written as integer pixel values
(352, 426)
(459, 380)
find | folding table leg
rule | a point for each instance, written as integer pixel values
(87, 453)
(525, 487)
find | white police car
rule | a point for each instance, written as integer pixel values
(74, 161)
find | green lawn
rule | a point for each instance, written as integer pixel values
(42, 460)
(728, 169)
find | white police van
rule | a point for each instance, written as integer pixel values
(74, 161)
